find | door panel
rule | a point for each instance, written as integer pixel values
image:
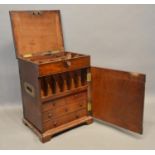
(118, 97)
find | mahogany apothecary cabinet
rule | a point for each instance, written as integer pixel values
(60, 89)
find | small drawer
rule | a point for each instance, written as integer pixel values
(64, 66)
(73, 106)
(80, 96)
(53, 104)
(65, 119)
(75, 98)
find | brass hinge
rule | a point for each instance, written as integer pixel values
(88, 77)
(27, 55)
(89, 106)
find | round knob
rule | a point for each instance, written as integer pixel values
(77, 116)
(49, 115)
(67, 63)
(55, 123)
(80, 105)
(76, 95)
(66, 110)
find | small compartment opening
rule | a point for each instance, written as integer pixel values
(83, 76)
(63, 82)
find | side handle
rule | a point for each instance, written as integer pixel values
(29, 89)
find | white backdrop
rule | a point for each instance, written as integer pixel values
(116, 36)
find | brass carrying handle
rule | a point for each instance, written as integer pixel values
(29, 89)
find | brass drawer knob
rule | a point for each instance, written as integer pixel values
(80, 105)
(67, 63)
(77, 116)
(55, 124)
(49, 115)
(66, 110)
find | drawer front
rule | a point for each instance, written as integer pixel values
(65, 119)
(64, 110)
(65, 100)
(71, 104)
(64, 66)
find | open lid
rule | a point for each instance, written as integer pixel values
(36, 31)
(118, 98)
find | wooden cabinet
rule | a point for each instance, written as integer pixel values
(60, 89)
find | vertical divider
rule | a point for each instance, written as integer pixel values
(64, 77)
(41, 87)
(44, 87)
(57, 88)
(48, 81)
(72, 85)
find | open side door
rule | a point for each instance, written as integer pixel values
(118, 98)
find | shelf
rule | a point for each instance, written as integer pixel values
(68, 92)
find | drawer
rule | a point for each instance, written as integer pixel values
(64, 110)
(78, 97)
(65, 119)
(53, 104)
(64, 66)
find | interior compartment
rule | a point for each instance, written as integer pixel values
(51, 56)
(62, 82)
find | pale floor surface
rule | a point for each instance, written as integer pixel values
(15, 135)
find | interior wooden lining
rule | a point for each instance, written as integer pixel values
(36, 33)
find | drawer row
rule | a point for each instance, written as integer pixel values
(64, 119)
(65, 101)
(63, 110)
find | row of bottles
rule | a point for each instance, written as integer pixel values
(62, 82)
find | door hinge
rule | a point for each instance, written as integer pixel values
(88, 77)
(89, 106)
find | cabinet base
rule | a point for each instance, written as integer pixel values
(47, 135)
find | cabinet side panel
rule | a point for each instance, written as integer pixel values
(31, 102)
(118, 97)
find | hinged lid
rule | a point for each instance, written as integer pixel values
(36, 31)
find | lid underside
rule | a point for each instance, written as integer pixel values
(36, 32)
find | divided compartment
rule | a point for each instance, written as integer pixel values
(52, 56)
(60, 83)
